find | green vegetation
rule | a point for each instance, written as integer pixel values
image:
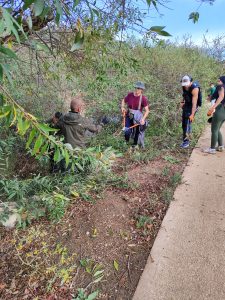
(48, 54)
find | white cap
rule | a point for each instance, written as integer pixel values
(186, 80)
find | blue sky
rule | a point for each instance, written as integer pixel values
(211, 21)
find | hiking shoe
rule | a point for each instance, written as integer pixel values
(185, 144)
(220, 148)
(209, 151)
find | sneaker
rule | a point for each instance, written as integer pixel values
(185, 144)
(209, 151)
(220, 148)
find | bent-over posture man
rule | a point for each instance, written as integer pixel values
(191, 96)
(73, 125)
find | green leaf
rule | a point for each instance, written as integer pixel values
(1, 72)
(164, 33)
(83, 262)
(45, 12)
(194, 16)
(29, 22)
(40, 46)
(171, 159)
(37, 144)
(93, 295)
(7, 18)
(46, 128)
(78, 42)
(75, 3)
(8, 52)
(116, 265)
(58, 5)
(97, 273)
(1, 97)
(31, 137)
(67, 158)
(96, 12)
(23, 125)
(57, 156)
(157, 28)
(38, 7)
(10, 21)
(79, 167)
(4, 114)
(7, 73)
(44, 149)
(154, 2)
(57, 18)
(27, 3)
(98, 279)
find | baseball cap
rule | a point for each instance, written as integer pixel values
(186, 80)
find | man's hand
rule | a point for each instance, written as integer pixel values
(142, 122)
(182, 104)
(191, 118)
(123, 110)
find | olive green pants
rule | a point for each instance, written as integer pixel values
(217, 122)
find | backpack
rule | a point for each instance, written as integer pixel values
(188, 95)
(195, 84)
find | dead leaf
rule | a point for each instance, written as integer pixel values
(2, 286)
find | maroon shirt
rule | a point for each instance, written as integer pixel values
(133, 101)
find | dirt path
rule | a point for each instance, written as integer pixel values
(115, 234)
(187, 259)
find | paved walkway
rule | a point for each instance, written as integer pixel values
(187, 260)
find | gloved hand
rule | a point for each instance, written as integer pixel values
(191, 118)
(210, 111)
(125, 129)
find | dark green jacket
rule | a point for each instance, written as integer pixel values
(73, 127)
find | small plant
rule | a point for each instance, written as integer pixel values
(93, 268)
(56, 205)
(175, 179)
(142, 221)
(171, 159)
(165, 171)
(167, 195)
(82, 295)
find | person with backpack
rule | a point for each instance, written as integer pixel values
(218, 118)
(192, 98)
(135, 121)
(211, 92)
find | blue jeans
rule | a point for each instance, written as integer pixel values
(186, 124)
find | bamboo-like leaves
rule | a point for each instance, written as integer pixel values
(39, 140)
(38, 7)
(31, 137)
(38, 144)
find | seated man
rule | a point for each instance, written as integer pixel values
(73, 125)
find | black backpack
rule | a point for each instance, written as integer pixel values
(195, 84)
(188, 94)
